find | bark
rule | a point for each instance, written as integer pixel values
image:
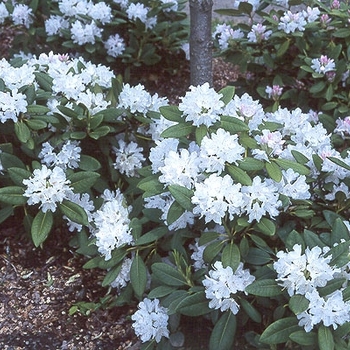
(201, 56)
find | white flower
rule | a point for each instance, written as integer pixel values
(47, 187)
(259, 33)
(93, 102)
(160, 152)
(222, 284)
(311, 14)
(331, 310)
(271, 142)
(122, 3)
(224, 33)
(112, 223)
(217, 196)
(302, 273)
(261, 198)
(202, 105)
(323, 64)
(100, 12)
(294, 185)
(343, 127)
(197, 255)
(180, 168)
(54, 25)
(22, 15)
(85, 33)
(115, 45)
(135, 99)
(170, 8)
(128, 158)
(11, 105)
(3, 13)
(139, 11)
(123, 277)
(163, 202)
(68, 156)
(219, 148)
(151, 321)
(290, 22)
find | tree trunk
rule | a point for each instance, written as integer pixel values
(201, 56)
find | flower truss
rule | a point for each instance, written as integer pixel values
(150, 321)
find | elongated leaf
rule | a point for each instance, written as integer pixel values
(111, 275)
(174, 212)
(233, 125)
(12, 195)
(138, 275)
(182, 195)
(239, 175)
(331, 286)
(298, 303)
(339, 162)
(231, 256)
(194, 305)
(22, 132)
(172, 113)
(151, 185)
(37, 109)
(83, 180)
(74, 212)
(251, 164)
(168, 274)
(304, 338)
(251, 311)
(312, 239)
(178, 130)
(152, 236)
(264, 288)
(17, 175)
(266, 226)
(41, 227)
(44, 80)
(227, 93)
(325, 338)
(340, 254)
(289, 164)
(274, 171)
(212, 250)
(5, 213)
(160, 292)
(88, 163)
(279, 331)
(299, 157)
(223, 334)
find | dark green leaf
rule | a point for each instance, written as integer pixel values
(178, 130)
(264, 288)
(168, 274)
(194, 305)
(231, 256)
(12, 195)
(304, 338)
(298, 303)
(279, 331)
(41, 227)
(74, 212)
(172, 113)
(325, 338)
(224, 331)
(239, 175)
(82, 181)
(152, 235)
(182, 195)
(138, 275)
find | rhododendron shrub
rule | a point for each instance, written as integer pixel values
(216, 208)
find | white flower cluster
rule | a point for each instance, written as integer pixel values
(123, 277)
(22, 15)
(323, 64)
(111, 223)
(67, 157)
(223, 284)
(291, 22)
(47, 187)
(151, 321)
(302, 273)
(224, 33)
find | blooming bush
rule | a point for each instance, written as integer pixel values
(215, 208)
(109, 32)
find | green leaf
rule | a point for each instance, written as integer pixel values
(239, 175)
(223, 334)
(312, 239)
(227, 93)
(231, 256)
(82, 181)
(279, 331)
(289, 164)
(178, 130)
(172, 113)
(298, 303)
(212, 250)
(325, 338)
(74, 212)
(36, 124)
(152, 236)
(100, 132)
(264, 288)
(22, 131)
(41, 227)
(283, 48)
(44, 80)
(37, 109)
(194, 305)
(304, 338)
(17, 175)
(257, 256)
(266, 226)
(138, 275)
(168, 274)
(250, 310)
(174, 212)
(160, 292)
(88, 163)
(274, 171)
(5, 213)
(339, 162)
(318, 87)
(233, 125)
(182, 195)
(111, 275)
(151, 185)
(299, 157)
(340, 254)
(12, 195)
(332, 286)
(200, 132)
(251, 164)
(341, 33)
(339, 231)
